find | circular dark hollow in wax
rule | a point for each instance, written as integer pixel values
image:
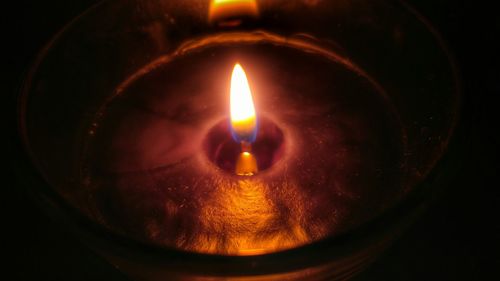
(221, 148)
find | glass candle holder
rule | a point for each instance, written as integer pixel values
(125, 115)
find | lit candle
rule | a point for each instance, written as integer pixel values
(168, 159)
(243, 121)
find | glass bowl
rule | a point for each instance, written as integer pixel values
(387, 75)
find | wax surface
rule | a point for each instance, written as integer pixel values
(147, 175)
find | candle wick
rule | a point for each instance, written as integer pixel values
(246, 146)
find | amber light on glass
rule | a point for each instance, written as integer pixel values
(230, 12)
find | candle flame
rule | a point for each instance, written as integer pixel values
(243, 117)
(222, 10)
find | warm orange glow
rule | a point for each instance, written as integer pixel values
(243, 117)
(241, 219)
(232, 9)
(246, 165)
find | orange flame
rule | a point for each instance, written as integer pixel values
(232, 10)
(243, 117)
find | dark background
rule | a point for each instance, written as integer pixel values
(457, 239)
